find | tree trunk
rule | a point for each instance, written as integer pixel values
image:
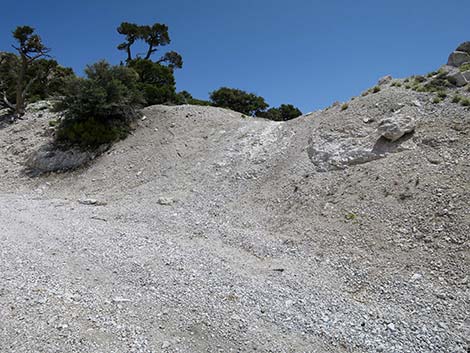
(20, 85)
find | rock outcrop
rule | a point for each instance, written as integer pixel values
(460, 56)
(49, 158)
(396, 126)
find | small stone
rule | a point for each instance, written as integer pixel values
(166, 345)
(289, 303)
(391, 326)
(91, 202)
(121, 300)
(416, 277)
(165, 201)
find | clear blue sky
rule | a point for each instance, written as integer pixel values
(305, 52)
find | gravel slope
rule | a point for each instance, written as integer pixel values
(210, 232)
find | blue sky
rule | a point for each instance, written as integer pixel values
(308, 53)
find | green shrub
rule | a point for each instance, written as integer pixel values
(344, 106)
(155, 81)
(100, 108)
(465, 102)
(419, 78)
(376, 89)
(437, 100)
(464, 67)
(238, 100)
(285, 112)
(442, 94)
(92, 132)
(184, 97)
(456, 99)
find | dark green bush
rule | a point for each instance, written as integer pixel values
(92, 132)
(155, 81)
(283, 113)
(465, 102)
(45, 77)
(238, 100)
(184, 97)
(100, 108)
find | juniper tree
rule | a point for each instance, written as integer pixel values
(30, 48)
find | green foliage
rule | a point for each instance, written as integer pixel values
(419, 78)
(344, 106)
(442, 94)
(20, 72)
(91, 133)
(376, 89)
(29, 44)
(238, 100)
(184, 97)
(350, 216)
(465, 102)
(172, 59)
(464, 67)
(456, 99)
(437, 100)
(100, 108)
(155, 81)
(154, 36)
(285, 112)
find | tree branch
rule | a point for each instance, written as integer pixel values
(150, 52)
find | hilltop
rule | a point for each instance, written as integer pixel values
(344, 230)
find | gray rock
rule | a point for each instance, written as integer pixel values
(458, 58)
(458, 78)
(466, 75)
(91, 202)
(464, 47)
(384, 80)
(38, 106)
(394, 127)
(49, 158)
(165, 201)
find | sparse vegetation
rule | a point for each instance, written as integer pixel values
(376, 89)
(456, 99)
(465, 102)
(344, 106)
(464, 67)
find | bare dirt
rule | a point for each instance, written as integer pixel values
(206, 231)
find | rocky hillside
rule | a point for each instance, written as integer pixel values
(345, 230)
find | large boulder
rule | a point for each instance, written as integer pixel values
(49, 158)
(466, 75)
(458, 58)
(396, 126)
(464, 47)
(457, 78)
